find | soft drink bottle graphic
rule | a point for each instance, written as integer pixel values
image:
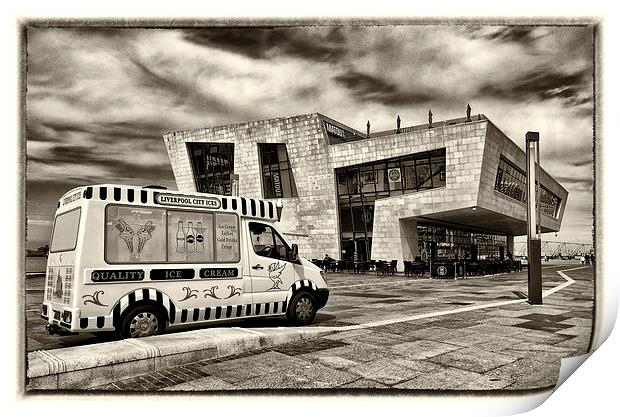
(200, 244)
(190, 239)
(180, 238)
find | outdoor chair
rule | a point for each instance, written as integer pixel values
(408, 268)
(392, 267)
(421, 268)
(381, 268)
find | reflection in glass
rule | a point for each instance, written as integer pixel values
(359, 186)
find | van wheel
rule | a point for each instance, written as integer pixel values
(142, 321)
(302, 308)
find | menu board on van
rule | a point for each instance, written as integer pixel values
(226, 238)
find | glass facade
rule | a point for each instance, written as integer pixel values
(359, 186)
(212, 163)
(512, 181)
(442, 242)
(278, 181)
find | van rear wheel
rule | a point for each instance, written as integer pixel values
(142, 321)
(302, 308)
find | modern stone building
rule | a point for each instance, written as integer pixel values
(454, 188)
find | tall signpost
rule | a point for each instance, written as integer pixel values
(534, 270)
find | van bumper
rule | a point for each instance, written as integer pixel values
(322, 294)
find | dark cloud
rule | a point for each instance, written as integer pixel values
(53, 130)
(367, 87)
(120, 166)
(544, 84)
(316, 44)
(583, 183)
(42, 195)
(583, 162)
(519, 34)
(178, 91)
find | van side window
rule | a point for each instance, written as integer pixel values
(266, 242)
(150, 235)
(135, 234)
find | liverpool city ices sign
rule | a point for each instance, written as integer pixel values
(187, 201)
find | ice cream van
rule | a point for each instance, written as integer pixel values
(140, 260)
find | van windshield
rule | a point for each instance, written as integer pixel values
(65, 233)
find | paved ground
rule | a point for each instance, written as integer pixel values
(404, 333)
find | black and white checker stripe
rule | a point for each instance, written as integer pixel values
(297, 285)
(191, 315)
(243, 206)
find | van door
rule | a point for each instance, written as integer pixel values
(272, 274)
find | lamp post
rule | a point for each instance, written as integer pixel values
(534, 270)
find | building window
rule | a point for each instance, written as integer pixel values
(278, 181)
(447, 243)
(512, 181)
(213, 164)
(360, 185)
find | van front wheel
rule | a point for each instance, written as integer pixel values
(302, 308)
(142, 321)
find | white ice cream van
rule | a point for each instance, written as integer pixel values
(138, 260)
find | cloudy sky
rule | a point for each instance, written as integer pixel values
(99, 99)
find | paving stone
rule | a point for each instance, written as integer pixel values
(392, 371)
(313, 376)
(348, 334)
(208, 383)
(478, 340)
(422, 349)
(575, 321)
(454, 379)
(454, 323)
(307, 346)
(440, 334)
(576, 331)
(405, 328)
(539, 336)
(356, 352)
(472, 359)
(495, 330)
(335, 362)
(237, 370)
(377, 339)
(504, 321)
(527, 373)
(364, 383)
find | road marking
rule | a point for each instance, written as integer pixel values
(569, 281)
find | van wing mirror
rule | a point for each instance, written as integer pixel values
(294, 254)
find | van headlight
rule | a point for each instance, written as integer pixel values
(324, 276)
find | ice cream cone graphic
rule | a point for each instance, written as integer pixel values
(144, 234)
(126, 233)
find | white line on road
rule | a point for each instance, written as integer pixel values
(569, 281)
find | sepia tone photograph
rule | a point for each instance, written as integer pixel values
(342, 208)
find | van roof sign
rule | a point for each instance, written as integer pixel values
(187, 201)
(124, 194)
